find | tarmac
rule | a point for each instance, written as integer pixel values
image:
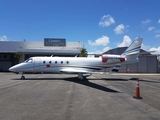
(65, 97)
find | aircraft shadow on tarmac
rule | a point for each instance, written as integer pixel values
(84, 82)
(108, 79)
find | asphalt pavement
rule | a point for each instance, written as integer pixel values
(65, 97)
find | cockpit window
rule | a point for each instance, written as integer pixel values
(29, 60)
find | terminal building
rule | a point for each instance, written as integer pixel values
(13, 52)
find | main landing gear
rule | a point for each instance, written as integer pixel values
(22, 77)
(80, 76)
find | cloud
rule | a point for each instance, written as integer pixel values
(146, 22)
(106, 49)
(151, 28)
(3, 38)
(152, 50)
(106, 21)
(157, 36)
(101, 51)
(104, 40)
(126, 41)
(145, 47)
(159, 21)
(120, 29)
(157, 50)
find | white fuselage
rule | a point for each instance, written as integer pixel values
(67, 64)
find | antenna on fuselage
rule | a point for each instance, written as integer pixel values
(52, 55)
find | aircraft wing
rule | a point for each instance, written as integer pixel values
(76, 70)
(87, 70)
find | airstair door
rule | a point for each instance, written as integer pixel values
(37, 62)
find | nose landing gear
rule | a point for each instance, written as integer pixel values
(22, 77)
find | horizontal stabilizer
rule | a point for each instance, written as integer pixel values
(115, 69)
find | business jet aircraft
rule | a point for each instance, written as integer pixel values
(79, 65)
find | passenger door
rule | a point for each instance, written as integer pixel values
(37, 63)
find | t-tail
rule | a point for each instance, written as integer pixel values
(132, 52)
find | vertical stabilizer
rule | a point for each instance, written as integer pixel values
(134, 48)
(132, 52)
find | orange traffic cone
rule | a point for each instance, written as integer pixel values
(137, 90)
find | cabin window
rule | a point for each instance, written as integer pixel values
(67, 62)
(55, 62)
(61, 62)
(29, 60)
(50, 62)
(44, 62)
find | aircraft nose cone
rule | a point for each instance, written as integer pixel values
(11, 69)
(16, 68)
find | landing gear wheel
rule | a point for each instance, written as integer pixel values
(22, 78)
(80, 76)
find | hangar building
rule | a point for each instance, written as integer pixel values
(148, 63)
(26, 49)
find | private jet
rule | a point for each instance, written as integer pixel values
(79, 65)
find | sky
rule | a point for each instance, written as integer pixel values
(99, 24)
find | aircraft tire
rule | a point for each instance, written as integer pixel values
(22, 78)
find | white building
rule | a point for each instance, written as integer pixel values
(48, 47)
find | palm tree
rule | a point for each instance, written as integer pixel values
(84, 52)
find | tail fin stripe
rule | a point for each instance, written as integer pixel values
(136, 50)
(133, 50)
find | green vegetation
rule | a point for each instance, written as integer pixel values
(84, 52)
(18, 55)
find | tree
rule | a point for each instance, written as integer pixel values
(84, 52)
(18, 55)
